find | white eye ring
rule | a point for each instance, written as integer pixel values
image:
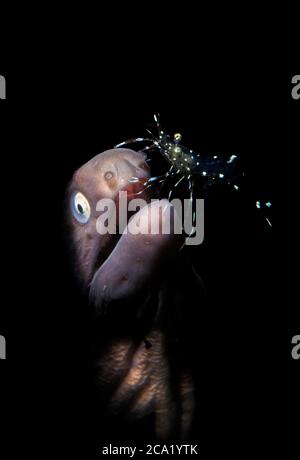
(81, 209)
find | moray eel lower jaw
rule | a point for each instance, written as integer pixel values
(137, 260)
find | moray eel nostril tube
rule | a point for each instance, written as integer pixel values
(134, 283)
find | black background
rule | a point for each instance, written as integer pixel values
(63, 109)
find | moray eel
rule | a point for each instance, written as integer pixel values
(131, 283)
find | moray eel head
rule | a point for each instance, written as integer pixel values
(109, 266)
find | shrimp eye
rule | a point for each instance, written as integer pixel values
(81, 209)
(108, 175)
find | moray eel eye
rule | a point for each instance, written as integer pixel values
(80, 208)
(108, 175)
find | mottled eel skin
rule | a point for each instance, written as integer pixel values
(136, 286)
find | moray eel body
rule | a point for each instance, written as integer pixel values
(134, 283)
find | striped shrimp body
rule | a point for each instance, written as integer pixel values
(198, 171)
(185, 163)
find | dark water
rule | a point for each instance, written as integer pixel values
(246, 381)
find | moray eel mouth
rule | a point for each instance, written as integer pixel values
(133, 190)
(115, 267)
